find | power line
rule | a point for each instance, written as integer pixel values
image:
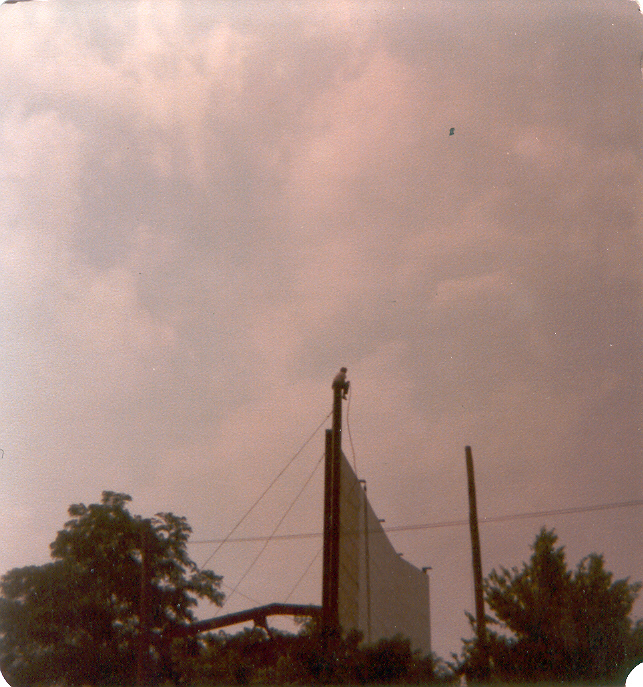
(221, 542)
(442, 523)
(245, 596)
(277, 526)
(522, 516)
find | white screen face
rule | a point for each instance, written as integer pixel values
(380, 594)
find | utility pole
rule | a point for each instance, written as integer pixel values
(329, 618)
(481, 627)
(330, 581)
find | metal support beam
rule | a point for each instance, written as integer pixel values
(257, 615)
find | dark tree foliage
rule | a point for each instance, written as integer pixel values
(557, 624)
(256, 657)
(79, 620)
(76, 620)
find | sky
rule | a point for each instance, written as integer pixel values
(208, 208)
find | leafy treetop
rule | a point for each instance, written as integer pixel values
(78, 618)
(557, 624)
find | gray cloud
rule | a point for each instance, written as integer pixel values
(210, 209)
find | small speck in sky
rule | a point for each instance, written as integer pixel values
(451, 131)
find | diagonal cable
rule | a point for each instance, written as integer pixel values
(277, 526)
(266, 490)
(245, 596)
(348, 427)
(310, 565)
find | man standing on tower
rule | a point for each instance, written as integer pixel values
(340, 382)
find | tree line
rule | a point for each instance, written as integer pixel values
(108, 609)
(549, 623)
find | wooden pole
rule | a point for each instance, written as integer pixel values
(481, 627)
(328, 528)
(336, 444)
(330, 583)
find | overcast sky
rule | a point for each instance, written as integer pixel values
(207, 208)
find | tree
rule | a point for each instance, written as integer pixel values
(78, 619)
(606, 638)
(554, 624)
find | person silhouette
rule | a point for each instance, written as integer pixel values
(340, 382)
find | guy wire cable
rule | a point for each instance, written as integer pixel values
(348, 426)
(277, 526)
(266, 490)
(310, 565)
(245, 596)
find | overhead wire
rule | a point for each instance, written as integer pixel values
(245, 596)
(522, 516)
(277, 526)
(447, 523)
(350, 439)
(265, 491)
(310, 565)
(348, 426)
